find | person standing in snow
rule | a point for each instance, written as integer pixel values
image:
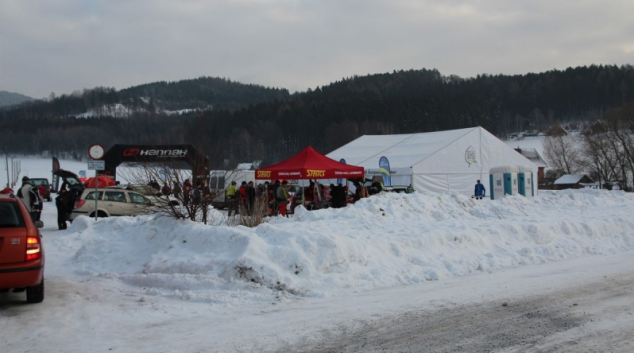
(166, 190)
(31, 198)
(480, 191)
(230, 198)
(281, 195)
(63, 202)
(177, 189)
(187, 189)
(250, 198)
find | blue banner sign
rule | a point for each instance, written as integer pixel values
(384, 167)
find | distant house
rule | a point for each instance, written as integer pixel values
(557, 131)
(532, 155)
(573, 181)
(246, 166)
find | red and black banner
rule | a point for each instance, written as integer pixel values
(55, 178)
(185, 154)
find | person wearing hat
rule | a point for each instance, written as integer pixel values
(230, 197)
(31, 198)
(64, 203)
(25, 192)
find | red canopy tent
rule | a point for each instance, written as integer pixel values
(101, 181)
(309, 164)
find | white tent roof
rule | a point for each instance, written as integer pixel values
(445, 151)
(444, 160)
(404, 150)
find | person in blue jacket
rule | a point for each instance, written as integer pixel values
(480, 191)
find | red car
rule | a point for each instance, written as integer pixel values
(21, 252)
(43, 187)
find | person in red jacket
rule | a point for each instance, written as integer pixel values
(242, 193)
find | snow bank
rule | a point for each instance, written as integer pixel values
(386, 240)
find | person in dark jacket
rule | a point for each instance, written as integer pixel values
(153, 183)
(64, 203)
(166, 190)
(177, 189)
(187, 189)
(338, 196)
(250, 198)
(480, 191)
(376, 187)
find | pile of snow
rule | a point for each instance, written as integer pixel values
(386, 240)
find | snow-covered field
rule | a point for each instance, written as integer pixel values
(150, 284)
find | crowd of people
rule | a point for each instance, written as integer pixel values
(279, 197)
(187, 193)
(273, 198)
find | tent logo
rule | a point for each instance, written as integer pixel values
(130, 152)
(264, 173)
(315, 173)
(470, 156)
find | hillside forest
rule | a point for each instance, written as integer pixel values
(233, 122)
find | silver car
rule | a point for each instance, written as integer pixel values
(155, 196)
(110, 202)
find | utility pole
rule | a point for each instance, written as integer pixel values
(6, 160)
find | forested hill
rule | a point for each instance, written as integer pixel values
(204, 93)
(330, 116)
(411, 101)
(10, 98)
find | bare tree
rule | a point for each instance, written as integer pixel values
(601, 156)
(167, 198)
(620, 126)
(562, 152)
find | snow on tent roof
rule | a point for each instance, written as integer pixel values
(568, 179)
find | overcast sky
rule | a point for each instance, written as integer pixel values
(65, 45)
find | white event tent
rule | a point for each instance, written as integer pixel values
(439, 161)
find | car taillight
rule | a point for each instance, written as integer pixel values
(79, 203)
(33, 248)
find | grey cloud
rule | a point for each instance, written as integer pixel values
(61, 46)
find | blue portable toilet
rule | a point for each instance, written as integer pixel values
(503, 181)
(525, 180)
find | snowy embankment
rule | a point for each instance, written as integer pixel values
(386, 240)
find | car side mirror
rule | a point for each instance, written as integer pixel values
(39, 224)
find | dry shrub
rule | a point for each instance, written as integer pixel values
(252, 219)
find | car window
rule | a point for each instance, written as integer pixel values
(72, 181)
(145, 190)
(10, 215)
(138, 199)
(91, 195)
(38, 182)
(116, 196)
